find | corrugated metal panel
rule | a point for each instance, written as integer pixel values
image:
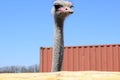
(45, 59)
(41, 59)
(82, 58)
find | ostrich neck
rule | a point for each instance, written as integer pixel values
(58, 35)
(58, 46)
(58, 30)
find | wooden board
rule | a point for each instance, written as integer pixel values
(84, 75)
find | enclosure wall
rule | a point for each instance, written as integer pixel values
(84, 58)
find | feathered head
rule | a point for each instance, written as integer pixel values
(62, 8)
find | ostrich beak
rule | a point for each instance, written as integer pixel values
(71, 12)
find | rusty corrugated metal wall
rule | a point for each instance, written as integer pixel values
(82, 58)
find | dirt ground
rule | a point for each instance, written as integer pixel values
(82, 75)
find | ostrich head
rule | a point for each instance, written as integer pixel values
(62, 9)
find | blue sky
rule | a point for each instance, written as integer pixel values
(27, 25)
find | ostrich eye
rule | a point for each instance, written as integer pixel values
(57, 6)
(71, 6)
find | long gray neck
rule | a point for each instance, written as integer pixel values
(58, 46)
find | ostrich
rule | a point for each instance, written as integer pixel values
(61, 9)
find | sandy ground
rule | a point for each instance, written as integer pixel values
(84, 75)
